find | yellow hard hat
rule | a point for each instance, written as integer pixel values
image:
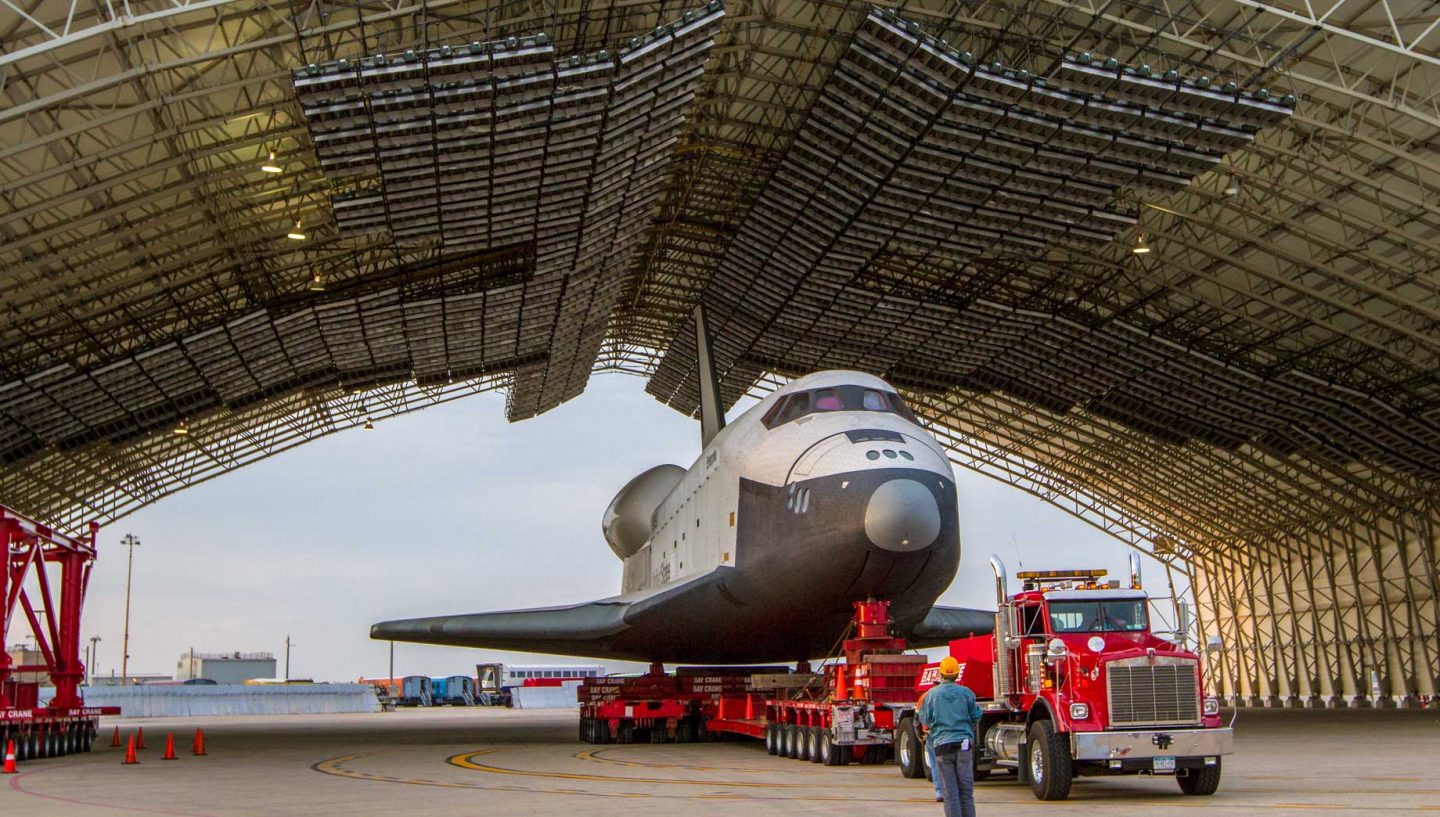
(949, 667)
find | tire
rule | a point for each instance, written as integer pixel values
(818, 738)
(909, 754)
(1201, 782)
(791, 734)
(772, 739)
(626, 733)
(804, 738)
(832, 753)
(1051, 771)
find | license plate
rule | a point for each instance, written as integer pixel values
(1164, 764)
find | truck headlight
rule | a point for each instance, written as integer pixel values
(1212, 706)
(1079, 712)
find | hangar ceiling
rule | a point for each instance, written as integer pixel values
(1254, 401)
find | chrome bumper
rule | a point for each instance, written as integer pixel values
(1151, 743)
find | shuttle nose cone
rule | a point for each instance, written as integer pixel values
(902, 516)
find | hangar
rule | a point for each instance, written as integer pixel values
(1174, 268)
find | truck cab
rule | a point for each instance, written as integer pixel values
(1074, 682)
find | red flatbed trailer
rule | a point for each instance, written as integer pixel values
(846, 712)
(47, 563)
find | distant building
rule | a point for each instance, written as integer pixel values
(225, 668)
(21, 656)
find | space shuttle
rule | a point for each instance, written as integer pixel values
(826, 492)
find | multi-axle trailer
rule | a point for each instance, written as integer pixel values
(44, 579)
(1072, 681)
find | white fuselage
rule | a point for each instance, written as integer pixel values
(695, 527)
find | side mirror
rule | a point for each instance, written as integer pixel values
(1214, 644)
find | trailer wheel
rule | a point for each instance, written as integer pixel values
(908, 752)
(1202, 782)
(832, 753)
(771, 743)
(788, 746)
(1051, 771)
(814, 738)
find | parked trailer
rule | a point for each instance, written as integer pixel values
(39, 562)
(415, 691)
(452, 690)
(1074, 683)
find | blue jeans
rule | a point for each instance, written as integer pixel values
(956, 771)
(934, 770)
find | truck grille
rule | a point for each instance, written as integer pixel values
(1163, 693)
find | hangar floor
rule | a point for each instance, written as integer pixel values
(529, 763)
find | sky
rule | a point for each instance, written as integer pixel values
(449, 510)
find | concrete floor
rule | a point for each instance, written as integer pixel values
(498, 762)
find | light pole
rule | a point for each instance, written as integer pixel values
(287, 657)
(130, 541)
(94, 658)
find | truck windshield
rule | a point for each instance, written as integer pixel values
(1114, 616)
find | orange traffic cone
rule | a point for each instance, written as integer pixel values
(199, 749)
(129, 753)
(115, 738)
(140, 739)
(169, 746)
(841, 693)
(749, 707)
(10, 759)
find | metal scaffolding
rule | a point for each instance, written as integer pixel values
(1254, 401)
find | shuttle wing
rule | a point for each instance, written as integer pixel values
(945, 624)
(597, 629)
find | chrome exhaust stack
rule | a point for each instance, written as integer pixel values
(1002, 594)
(1134, 570)
(1002, 682)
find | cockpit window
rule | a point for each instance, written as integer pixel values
(837, 398)
(795, 408)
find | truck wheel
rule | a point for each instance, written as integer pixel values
(908, 752)
(1202, 781)
(770, 739)
(792, 741)
(1050, 770)
(802, 739)
(832, 753)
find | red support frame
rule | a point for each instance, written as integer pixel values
(31, 545)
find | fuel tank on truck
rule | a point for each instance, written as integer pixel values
(629, 520)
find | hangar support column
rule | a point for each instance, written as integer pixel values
(1342, 612)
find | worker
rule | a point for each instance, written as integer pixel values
(951, 717)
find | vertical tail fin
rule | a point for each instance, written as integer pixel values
(712, 414)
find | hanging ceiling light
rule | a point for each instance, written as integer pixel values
(317, 284)
(369, 424)
(182, 429)
(1233, 188)
(296, 234)
(272, 165)
(1140, 248)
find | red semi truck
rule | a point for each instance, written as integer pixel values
(1074, 683)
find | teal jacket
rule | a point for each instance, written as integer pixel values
(950, 714)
